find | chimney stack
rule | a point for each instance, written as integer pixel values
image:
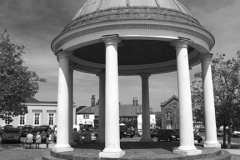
(135, 101)
(93, 101)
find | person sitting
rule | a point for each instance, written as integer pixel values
(29, 138)
(87, 136)
(38, 139)
(76, 136)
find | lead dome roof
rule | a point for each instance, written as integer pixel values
(96, 11)
(98, 5)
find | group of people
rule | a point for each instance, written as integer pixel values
(84, 135)
(38, 138)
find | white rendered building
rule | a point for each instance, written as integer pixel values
(39, 113)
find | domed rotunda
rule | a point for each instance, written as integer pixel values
(112, 38)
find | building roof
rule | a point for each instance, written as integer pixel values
(127, 110)
(170, 99)
(87, 110)
(33, 100)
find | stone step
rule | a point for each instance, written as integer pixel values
(219, 155)
(235, 157)
(48, 156)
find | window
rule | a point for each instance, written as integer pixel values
(22, 120)
(51, 118)
(168, 115)
(36, 118)
(86, 116)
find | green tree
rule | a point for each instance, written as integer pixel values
(16, 81)
(226, 85)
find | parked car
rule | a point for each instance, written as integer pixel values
(42, 132)
(11, 134)
(219, 133)
(20, 127)
(201, 129)
(45, 127)
(128, 133)
(165, 134)
(25, 130)
(236, 134)
(170, 135)
(8, 126)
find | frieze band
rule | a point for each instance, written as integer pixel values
(159, 14)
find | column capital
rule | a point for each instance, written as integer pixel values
(183, 43)
(113, 39)
(145, 75)
(63, 54)
(206, 56)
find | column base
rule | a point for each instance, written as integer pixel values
(112, 154)
(211, 144)
(62, 148)
(146, 140)
(187, 152)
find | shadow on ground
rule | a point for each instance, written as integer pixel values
(170, 146)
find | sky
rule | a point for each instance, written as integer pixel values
(35, 23)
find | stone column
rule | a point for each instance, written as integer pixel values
(185, 104)
(101, 117)
(146, 137)
(63, 103)
(71, 107)
(209, 108)
(112, 135)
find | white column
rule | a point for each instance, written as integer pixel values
(185, 105)
(101, 117)
(71, 107)
(209, 108)
(146, 137)
(63, 103)
(112, 136)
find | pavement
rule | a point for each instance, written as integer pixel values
(16, 152)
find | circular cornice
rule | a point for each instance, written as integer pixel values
(66, 36)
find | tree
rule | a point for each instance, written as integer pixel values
(226, 85)
(16, 81)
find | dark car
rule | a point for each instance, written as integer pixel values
(165, 134)
(201, 129)
(20, 127)
(42, 132)
(45, 127)
(127, 133)
(25, 130)
(11, 134)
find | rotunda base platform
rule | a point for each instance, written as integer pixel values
(137, 151)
